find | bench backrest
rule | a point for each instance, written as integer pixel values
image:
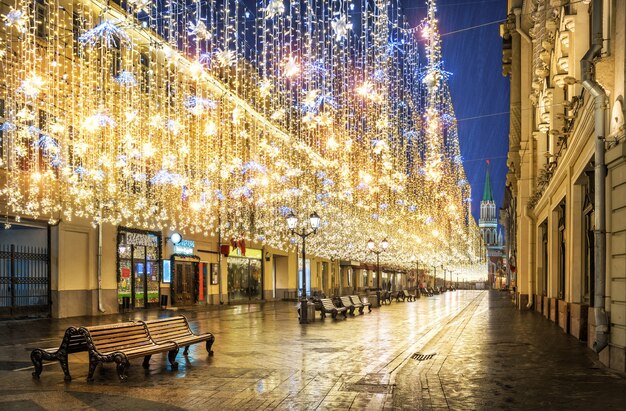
(346, 301)
(406, 293)
(76, 342)
(168, 329)
(114, 337)
(328, 304)
(356, 299)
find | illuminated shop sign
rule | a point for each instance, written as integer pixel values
(148, 240)
(185, 247)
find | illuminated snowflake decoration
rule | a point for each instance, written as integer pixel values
(341, 27)
(107, 34)
(15, 18)
(265, 87)
(141, 5)
(291, 67)
(311, 99)
(31, 86)
(126, 78)
(205, 58)
(198, 105)
(225, 58)
(274, 8)
(278, 115)
(98, 120)
(199, 30)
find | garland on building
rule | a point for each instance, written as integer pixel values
(205, 115)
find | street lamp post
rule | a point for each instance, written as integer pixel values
(372, 247)
(292, 222)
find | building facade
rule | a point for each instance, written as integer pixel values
(567, 170)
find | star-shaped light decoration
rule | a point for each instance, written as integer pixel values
(274, 8)
(310, 100)
(309, 120)
(225, 58)
(141, 5)
(31, 86)
(291, 67)
(365, 89)
(265, 87)
(278, 115)
(15, 18)
(237, 114)
(324, 119)
(210, 129)
(341, 26)
(199, 30)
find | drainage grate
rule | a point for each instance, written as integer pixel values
(422, 357)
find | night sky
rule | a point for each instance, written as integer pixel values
(480, 93)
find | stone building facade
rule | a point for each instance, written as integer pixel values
(567, 169)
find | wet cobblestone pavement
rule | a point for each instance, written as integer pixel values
(488, 356)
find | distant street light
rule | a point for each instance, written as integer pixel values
(372, 247)
(292, 222)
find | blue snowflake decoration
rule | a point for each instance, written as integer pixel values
(126, 78)
(107, 34)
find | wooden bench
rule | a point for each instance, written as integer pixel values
(357, 300)
(385, 297)
(329, 308)
(346, 302)
(408, 296)
(72, 342)
(121, 342)
(176, 330)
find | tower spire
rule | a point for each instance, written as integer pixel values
(487, 193)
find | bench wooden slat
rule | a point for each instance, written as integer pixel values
(329, 307)
(177, 329)
(120, 342)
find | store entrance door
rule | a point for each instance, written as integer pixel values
(185, 283)
(244, 280)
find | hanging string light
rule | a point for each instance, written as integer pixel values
(206, 115)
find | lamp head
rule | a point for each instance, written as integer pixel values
(370, 244)
(292, 221)
(176, 238)
(315, 220)
(384, 244)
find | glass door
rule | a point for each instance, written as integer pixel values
(139, 268)
(185, 290)
(245, 282)
(254, 280)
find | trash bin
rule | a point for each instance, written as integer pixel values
(310, 312)
(163, 302)
(125, 304)
(373, 298)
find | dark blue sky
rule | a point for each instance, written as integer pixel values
(480, 93)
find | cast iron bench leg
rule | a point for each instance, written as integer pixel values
(146, 361)
(209, 344)
(171, 356)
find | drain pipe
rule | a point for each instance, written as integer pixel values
(99, 269)
(531, 275)
(587, 69)
(518, 24)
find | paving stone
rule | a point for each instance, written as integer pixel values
(489, 356)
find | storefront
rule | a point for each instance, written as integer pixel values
(138, 271)
(245, 275)
(188, 274)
